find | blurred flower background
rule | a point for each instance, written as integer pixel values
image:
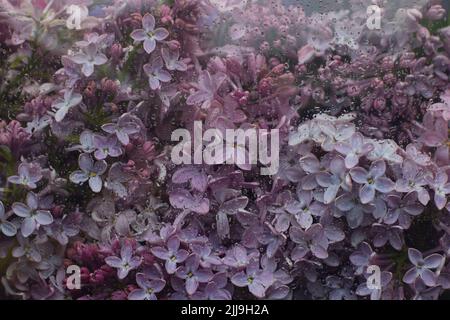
(91, 90)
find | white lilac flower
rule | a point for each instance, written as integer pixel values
(62, 105)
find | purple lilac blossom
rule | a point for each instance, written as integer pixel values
(86, 172)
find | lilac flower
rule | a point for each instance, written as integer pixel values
(207, 88)
(362, 258)
(116, 180)
(238, 257)
(125, 263)
(384, 150)
(192, 275)
(183, 199)
(33, 216)
(414, 180)
(441, 188)
(287, 209)
(207, 257)
(306, 209)
(422, 267)
(354, 210)
(336, 134)
(26, 249)
(106, 146)
(123, 129)
(149, 34)
(335, 180)
(62, 106)
(86, 142)
(216, 288)
(354, 149)
(172, 255)
(147, 288)
(227, 208)
(197, 179)
(257, 280)
(313, 239)
(6, 227)
(372, 180)
(63, 229)
(156, 74)
(402, 209)
(171, 58)
(90, 172)
(29, 175)
(89, 58)
(383, 234)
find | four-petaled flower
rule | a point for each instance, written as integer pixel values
(422, 267)
(90, 171)
(172, 255)
(254, 278)
(372, 180)
(156, 74)
(147, 288)
(33, 213)
(62, 105)
(354, 149)
(313, 239)
(192, 275)
(334, 180)
(89, 58)
(106, 146)
(29, 175)
(125, 263)
(207, 88)
(414, 180)
(122, 129)
(149, 34)
(171, 58)
(441, 188)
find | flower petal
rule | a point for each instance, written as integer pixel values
(148, 22)
(415, 256)
(28, 226)
(139, 35)
(149, 45)
(21, 210)
(44, 217)
(433, 261)
(95, 183)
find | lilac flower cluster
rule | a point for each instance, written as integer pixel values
(87, 180)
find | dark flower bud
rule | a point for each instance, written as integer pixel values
(116, 51)
(436, 12)
(90, 89)
(110, 87)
